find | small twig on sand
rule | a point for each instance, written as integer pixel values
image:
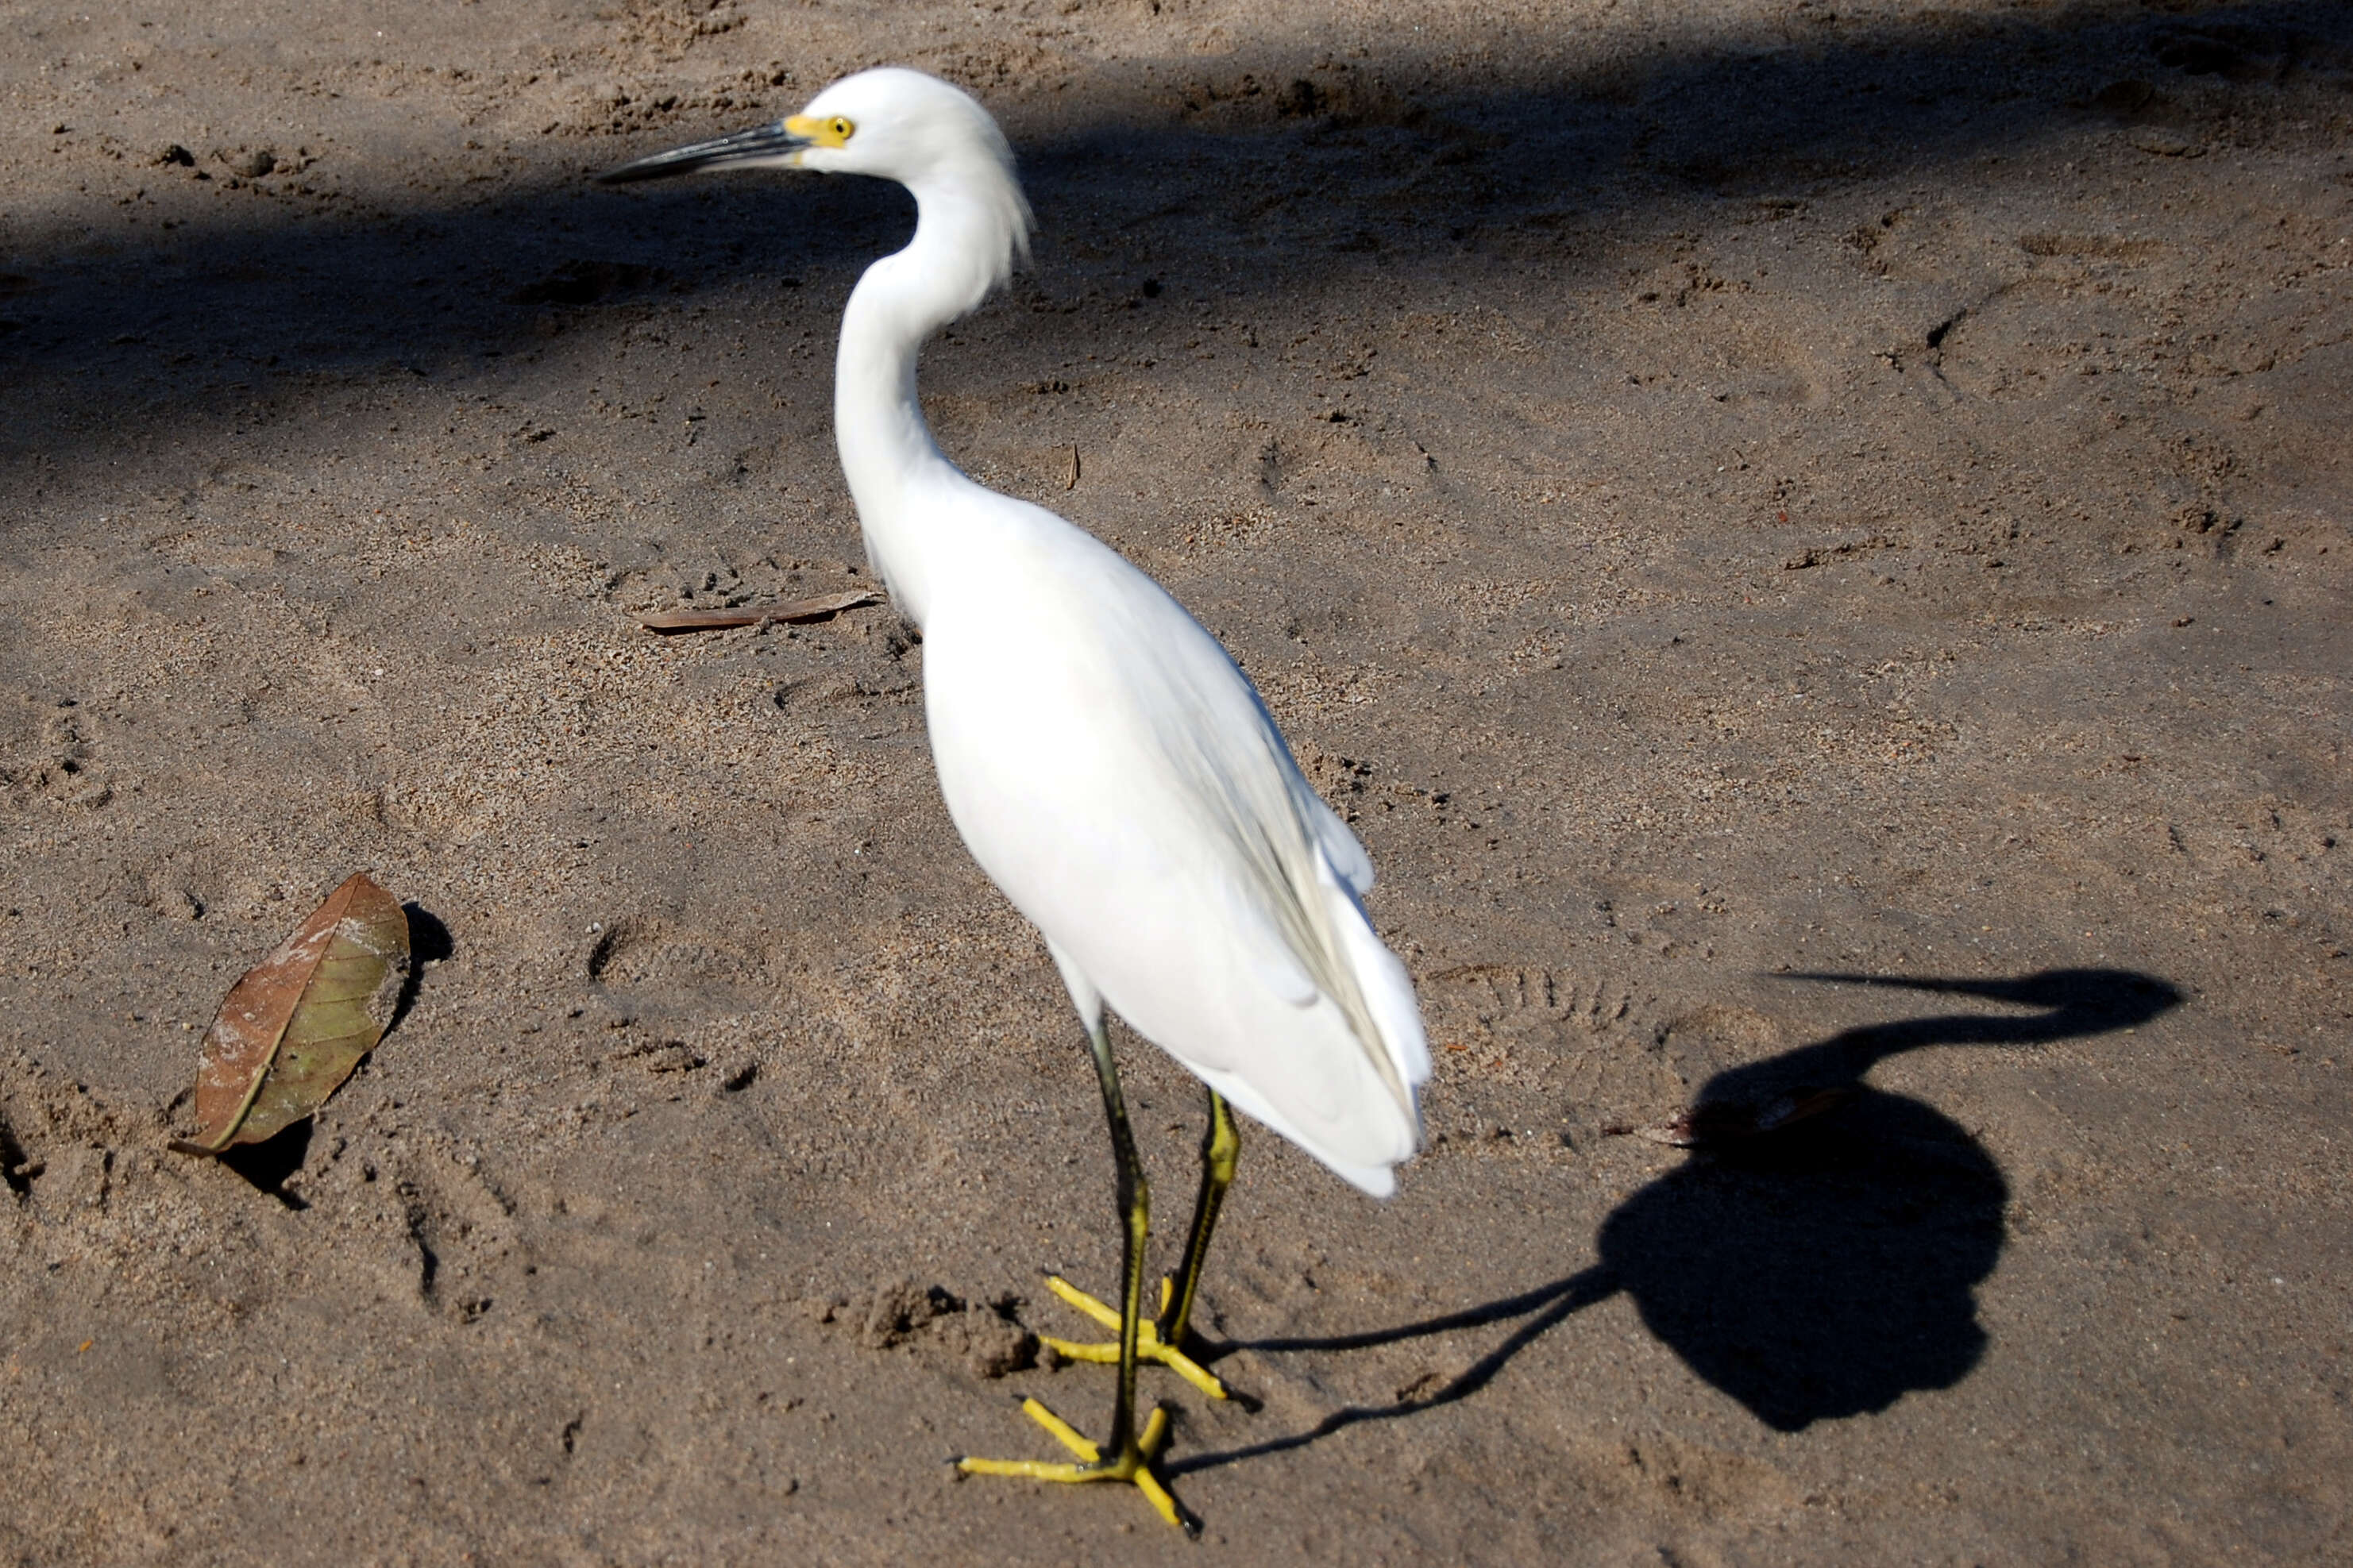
(674, 621)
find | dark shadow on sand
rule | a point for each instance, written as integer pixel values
(430, 942)
(201, 332)
(269, 1165)
(1822, 1270)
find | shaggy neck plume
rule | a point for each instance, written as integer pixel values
(969, 222)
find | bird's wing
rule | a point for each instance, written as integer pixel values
(1116, 775)
(1340, 845)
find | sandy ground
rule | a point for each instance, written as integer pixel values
(1812, 543)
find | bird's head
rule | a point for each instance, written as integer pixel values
(891, 122)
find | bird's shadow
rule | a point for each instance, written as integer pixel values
(1810, 1267)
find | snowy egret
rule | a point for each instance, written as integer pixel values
(1107, 762)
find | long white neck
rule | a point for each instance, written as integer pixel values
(961, 250)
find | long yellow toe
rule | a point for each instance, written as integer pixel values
(1134, 1467)
(1148, 1345)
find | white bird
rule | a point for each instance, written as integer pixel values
(1107, 762)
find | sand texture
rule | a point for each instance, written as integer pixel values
(1811, 542)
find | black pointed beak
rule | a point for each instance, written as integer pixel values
(769, 146)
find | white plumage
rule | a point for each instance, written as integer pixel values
(1107, 762)
(1113, 771)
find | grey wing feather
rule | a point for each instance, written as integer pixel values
(1340, 845)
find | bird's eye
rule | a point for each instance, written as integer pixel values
(841, 126)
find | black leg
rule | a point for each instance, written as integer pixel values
(1136, 1214)
(1221, 1146)
(1159, 1339)
(1127, 1455)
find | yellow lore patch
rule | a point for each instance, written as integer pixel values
(833, 132)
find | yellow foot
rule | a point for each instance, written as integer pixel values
(1134, 1467)
(1148, 1346)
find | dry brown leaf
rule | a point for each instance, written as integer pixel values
(293, 1029)
(758, 615)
